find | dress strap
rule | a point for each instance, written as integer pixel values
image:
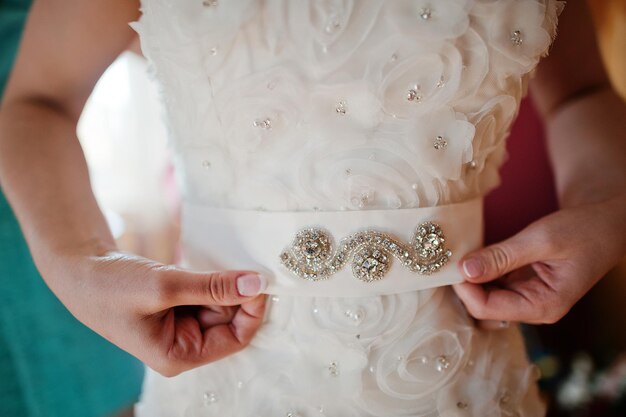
(346, 253)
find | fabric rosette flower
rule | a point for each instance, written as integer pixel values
(328, 32)
(336, 110)
(441, 19)
(414, 368)
(440, 142)
(414, 78)
(197, 30)
(492, 122)
(259, 113)
(356, 172)
(474, 71)
(311, 368)
(331, 366)
(468, 396)
(259, 118)
(366, 321)
(516, 31)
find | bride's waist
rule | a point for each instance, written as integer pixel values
(343, 253)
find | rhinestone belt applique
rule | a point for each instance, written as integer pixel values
(311, 257)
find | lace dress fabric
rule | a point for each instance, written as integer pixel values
(284, 105)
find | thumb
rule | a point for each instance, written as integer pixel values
(222, 288)
(494, 261)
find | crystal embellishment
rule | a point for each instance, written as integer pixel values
(341, 107)
(263, 123)
(333, 369)
(516, 37)
(442, 363)
(209, 397)
(311, 256)
(425, 13)
(440, 143)
(414, 95)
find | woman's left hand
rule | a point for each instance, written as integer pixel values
(537, 275)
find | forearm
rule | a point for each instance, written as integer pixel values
(587, 147)
(44, 175)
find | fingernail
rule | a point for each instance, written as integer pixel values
(251, 284)
(473, 268)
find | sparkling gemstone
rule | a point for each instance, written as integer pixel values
(364, 200)
(356, 316)
(332, 24)
(209, 397)
(275, 298)
(263, 123)
(239, 384)
(209, 3)
(473, 164)
(370, 263)
(213, 51)
(414, 95)
(431, 242)
(415, 186)
(333, 369)
(341, 107)
(348, 171)
(311, 249)
(516, 37)
(440, 82)
(425, 13)
(440, 143)
(206, 164)
(442, 363)
(312, 246)
(394, 57)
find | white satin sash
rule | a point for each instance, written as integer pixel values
(219, 239)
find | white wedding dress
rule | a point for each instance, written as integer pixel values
(298, 123)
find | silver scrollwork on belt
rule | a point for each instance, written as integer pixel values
(310, 255)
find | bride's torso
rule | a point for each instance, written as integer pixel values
(317, 106)
(327, 105)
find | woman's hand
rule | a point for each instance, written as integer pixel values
(171, 319)
(537, 275)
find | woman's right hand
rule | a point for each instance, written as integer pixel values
(171, 319)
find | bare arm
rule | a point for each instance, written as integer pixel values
(131, 301)
(42, 167)
(584, 116)
(537, 275)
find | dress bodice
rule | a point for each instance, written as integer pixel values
(342, 104)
